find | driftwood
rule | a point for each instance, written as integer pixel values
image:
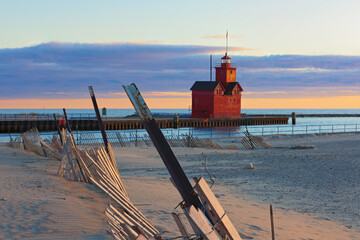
(302, 147)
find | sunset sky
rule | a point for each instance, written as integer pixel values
(289, 54)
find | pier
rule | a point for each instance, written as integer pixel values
(89, 124)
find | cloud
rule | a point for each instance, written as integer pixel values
(221, 36)
(64, 70)
(147, 94)
(168, 94)
(305, 92)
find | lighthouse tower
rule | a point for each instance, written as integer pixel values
(225, 73)
(219, 99)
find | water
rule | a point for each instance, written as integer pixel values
(303, 126)
(183, 112)
(125, 112)
(109, 112)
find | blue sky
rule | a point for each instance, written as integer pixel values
(283, 49)
(271, 27)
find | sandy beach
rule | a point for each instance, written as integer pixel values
(37, 204)
(314, 191)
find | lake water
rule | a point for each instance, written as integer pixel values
(303, 126)
(186, 112)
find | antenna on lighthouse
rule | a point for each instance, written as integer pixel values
(210, 67)
(227, 43)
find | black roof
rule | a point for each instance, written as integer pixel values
(232, 85)
(204, 85)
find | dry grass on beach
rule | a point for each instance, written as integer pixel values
(315, 192)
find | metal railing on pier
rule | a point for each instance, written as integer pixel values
(36, 116)
(94, 137)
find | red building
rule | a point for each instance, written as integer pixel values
(219, 99)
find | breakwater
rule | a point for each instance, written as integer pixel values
(305, 115)
(45, 125)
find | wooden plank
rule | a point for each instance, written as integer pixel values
(272, 223)
(184, 233)
(141, 235)
(112, 156)
(125, 204)
(192, 223)
(118, 235)
(129, 231)
(220, 218)
(207, 232)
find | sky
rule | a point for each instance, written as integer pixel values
(289, 54)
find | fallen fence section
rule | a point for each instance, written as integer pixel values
(251, 142)
(93, 166)
(205, 214)
(31, 141)
(118, 139)
(98, 167)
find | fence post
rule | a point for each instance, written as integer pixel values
(229, 132)
(136, 136)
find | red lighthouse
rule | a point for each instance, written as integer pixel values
(219, 99)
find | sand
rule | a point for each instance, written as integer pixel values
(314, 192)
(41, 205)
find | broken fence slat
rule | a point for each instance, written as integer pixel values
(184, 233)
(203, 224)
(220, 218)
